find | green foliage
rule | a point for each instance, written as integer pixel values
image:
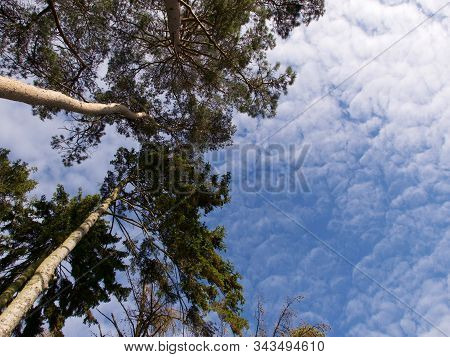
(14, 185)
(121, 51)
(169, 192)
(38, 226)
(307, 330)
(288, 14)
(172, 189)
(32, 45)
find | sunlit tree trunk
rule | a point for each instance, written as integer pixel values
(24, 301)
(15, 90)
(19, 282)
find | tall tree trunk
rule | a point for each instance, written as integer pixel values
(13, 89)
(25, 300)
(19, 282)
(173, 10)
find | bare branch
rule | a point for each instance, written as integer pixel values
(64, 37)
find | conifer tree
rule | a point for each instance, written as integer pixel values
(178, 255)
(169, 73)
(166, 194)
(32, 230)
(160, 70)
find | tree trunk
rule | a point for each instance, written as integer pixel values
(25, 300)
(13, 89)
(19, 282)
(173, 10)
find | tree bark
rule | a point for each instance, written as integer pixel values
(44, 274)
(173, 10)
(19, 282)
(13, 89)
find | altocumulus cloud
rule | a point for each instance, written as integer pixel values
(378, 169)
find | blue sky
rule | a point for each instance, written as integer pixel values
(369, 246)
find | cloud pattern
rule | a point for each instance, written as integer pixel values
(378, 169)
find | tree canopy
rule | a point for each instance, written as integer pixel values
(170, 191)
(14, 185)
(125, 51)
(160, 241)
(37, 227)
(170, 74)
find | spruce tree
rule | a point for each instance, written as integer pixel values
(33, 229)
(167, 193)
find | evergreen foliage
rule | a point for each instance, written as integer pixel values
(189, 77)
(168, 193)
(39, 225)
(171, 191)
(121, 51)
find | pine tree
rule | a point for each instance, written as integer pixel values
(180, 66)
(14, 186)
(175, 71)
(178, 255)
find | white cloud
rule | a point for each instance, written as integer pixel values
(28, 138)
(378, 168)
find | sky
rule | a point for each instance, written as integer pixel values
(362, 229)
